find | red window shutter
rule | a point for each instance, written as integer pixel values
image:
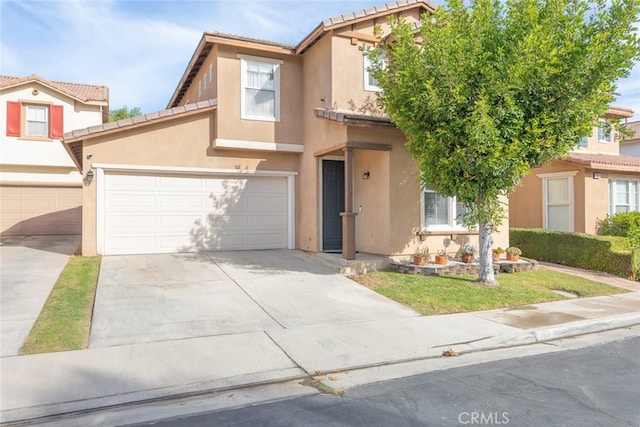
(13, 118)
(56, 125)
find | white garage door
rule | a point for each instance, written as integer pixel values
(185, 213)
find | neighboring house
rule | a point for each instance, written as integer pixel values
(258, 148)
(572, 194)
(40, 187)
(630, 146)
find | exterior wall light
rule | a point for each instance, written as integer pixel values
(89, 176)
(597, 175)
(365, 175)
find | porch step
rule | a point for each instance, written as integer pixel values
(364, 263)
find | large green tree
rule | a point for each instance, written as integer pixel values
(485, 90)
(123, 113)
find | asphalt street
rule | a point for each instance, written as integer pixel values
(592, 386)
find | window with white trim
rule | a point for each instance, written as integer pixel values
(370, 82)
(558, 203)
(37, 120)
(260, 97)
(624, 195)
(584, 142)
(441, 213)
(604, 132)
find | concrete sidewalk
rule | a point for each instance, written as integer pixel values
(58, 383)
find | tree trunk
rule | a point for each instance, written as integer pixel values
(485, 264)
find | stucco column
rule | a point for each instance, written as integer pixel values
(348, 216)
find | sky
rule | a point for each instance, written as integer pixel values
(140, 49)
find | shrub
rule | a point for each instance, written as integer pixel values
(610, 254)
(619, 224)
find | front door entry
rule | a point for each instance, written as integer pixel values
(332, 204)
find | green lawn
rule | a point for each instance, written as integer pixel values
(65, 320)
(453, 294)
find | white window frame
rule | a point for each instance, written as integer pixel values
(569, 175)
(44, 108)
(369, 87)
(276, 63)
(451, 226)
(605, 136)
(634, 205)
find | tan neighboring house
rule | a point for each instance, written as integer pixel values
(40, 186)
(594, 180)
(266, 145)
(631, 145)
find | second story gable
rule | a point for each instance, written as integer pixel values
(36, 112)
(265, 89)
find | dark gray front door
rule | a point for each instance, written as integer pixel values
(332, 204)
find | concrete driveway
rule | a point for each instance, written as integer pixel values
(145, 298)
(29, 267)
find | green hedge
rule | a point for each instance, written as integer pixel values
(600, 253)
(619, 224)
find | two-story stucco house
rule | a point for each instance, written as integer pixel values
(266, 145)
(40, 186)
(572, 194)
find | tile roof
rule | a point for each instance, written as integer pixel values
(82, 92)
(137, 120)
(247, 39)
(606, 161)
(635, 128)
(347, 18)
(353, 118)
(364, 13)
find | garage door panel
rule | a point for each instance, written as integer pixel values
(192, 213)
(40, 210)
(126, 223)
(181, 201)
(130, 182)
(133, 200)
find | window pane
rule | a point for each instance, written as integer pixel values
(436, 209)
(37, 120)
(558, 190)
(622, 192)
(635, 196)
(584, 141)
(558, 218)
(260, 102)
(460, 211)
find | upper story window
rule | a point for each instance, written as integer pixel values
(441, 213)
(35, 121)
(604, 133)
(260, 96)
(584, 142)
(370, 82)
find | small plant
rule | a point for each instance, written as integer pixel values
(469, 249)
(498, 250)
(422, 252)
(421, 255)
(512, 250)
(442, 252)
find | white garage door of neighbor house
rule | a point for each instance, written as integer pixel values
(185, 213)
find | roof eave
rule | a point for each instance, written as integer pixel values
(319, 31)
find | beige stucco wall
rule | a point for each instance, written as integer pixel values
(526, 202)
(596, 146)
(318, 134)
(180, 142)
(232, 126)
